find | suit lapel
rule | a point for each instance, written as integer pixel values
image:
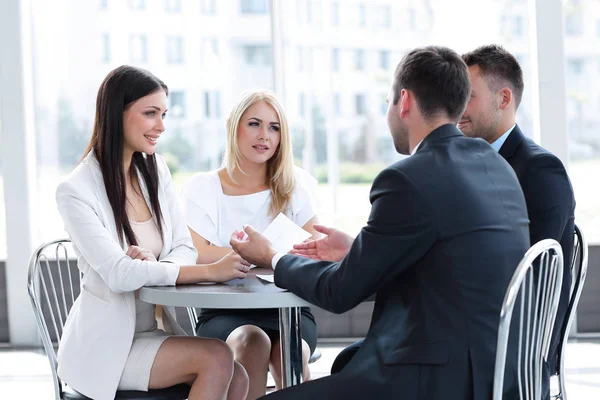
(513, 141)
(108, 215)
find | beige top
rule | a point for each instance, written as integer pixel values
(148, 237)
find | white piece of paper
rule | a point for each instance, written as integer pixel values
(267, 278)
(283, 234)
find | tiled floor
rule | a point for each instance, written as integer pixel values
(25, 374)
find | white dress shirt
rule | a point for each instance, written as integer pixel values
(500, 141)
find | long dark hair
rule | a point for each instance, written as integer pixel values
(121, 87)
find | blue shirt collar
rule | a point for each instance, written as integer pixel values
(497, 145)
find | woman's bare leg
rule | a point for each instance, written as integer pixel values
(251, 347)
(206, 364)
(275, 363)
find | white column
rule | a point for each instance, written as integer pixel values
(17, 119)
(548, 83)
(333, 156)
(549, 88)
(277, 46)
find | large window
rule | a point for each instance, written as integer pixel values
(206, 66)
(341, 102)
(583, 110)
(335, 75)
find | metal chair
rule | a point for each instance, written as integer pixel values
(579, 265)
(538, 306)
(52, 291)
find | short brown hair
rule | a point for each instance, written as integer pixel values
(439, 79)
(499, 67)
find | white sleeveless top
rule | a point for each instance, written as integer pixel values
(148, 237)
(215, 215)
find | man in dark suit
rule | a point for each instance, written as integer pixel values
(448, 226)
(497, 82)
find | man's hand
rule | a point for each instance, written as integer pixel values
(255, 249)
(332, 247)
(139, 253)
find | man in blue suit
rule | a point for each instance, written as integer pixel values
(447, 228)
(497, 82)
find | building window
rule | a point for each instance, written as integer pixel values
(385, 17)
(257, 54)
(335, 13)
(574, 21)
(177, 106)
(103, 4)
(105, 50)
(362, 15)
(335, 60)
(207, 107)
(411, 14)
(173, 6)
(337, 106)
(138, 48)
(137, 4)
(384, 104)
(174, 50)
(301, 105)
(254, 6)
(384, 59)
(209, 48)
(517, 27)
(208, 7)
(359, 59)
(360, 102)
(575, 66)
(301, 65)
(212, 105)
(218, 104)
(512, 26)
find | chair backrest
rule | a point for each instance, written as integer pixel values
(53, 284)
(579, 264)
(536, 283)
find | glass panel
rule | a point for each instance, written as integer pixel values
(206, 54)
(2, 207)
(341, 91)
(582, 73)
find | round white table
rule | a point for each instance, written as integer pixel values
(250, 292)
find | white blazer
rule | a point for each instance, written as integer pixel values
(99, 330)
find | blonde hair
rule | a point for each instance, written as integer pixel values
(280, 167)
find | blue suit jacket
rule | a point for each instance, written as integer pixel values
(447, 228)
(551, 209)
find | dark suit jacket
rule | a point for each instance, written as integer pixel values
(448, 226)
(551, 209)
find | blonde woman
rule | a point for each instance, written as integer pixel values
(257, 181)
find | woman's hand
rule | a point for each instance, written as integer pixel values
(229, 267)
(139, 253)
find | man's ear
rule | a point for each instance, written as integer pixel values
(405, 102)
(506, 98)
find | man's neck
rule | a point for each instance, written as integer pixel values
(419, 133)
(502, 128)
